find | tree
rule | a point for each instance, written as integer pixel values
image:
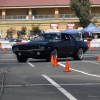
(11, 31)
(23, 31)
(35, 29)
(82, 11)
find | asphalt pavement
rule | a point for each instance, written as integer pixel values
(41, 80)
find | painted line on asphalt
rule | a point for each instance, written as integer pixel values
(81, 71)
(30, 64)
(91, 62)
(66, 93)
(95, 62)
(29, 85)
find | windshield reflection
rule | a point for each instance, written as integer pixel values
(48, 37)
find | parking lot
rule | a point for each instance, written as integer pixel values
(40, 80)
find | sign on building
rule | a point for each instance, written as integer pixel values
(53, 26)
(71, 25)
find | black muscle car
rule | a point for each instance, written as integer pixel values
(45, 45)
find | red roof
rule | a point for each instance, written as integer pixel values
(6, 3)
(95, 1)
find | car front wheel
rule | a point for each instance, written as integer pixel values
(53, 53)
(78, 55)
(21, 59)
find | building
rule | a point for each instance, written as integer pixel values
(57, 13)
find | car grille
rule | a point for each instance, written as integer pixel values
(28, 47)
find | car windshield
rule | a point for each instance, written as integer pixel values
(47, 36)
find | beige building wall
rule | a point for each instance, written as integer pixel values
(29, 27)
(18, 27)
(45, 24)
(62, 26)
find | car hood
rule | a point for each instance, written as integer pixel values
(32, 43)
(38, 42)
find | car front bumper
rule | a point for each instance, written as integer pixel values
(39, 54)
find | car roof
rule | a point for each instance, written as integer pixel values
(58, 33)
(49, 33)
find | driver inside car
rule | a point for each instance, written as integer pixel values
(65, 38)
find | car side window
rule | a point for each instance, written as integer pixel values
(71, 39)
(65, 37)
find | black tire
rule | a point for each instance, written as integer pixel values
(53, 53)
(21, 59)
(78, 55)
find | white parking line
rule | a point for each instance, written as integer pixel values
(30, 64)
(91, 62)
(67, 94)
(30, 85)
(82, 71)
(95, 62)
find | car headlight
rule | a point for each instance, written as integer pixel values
(41, 47)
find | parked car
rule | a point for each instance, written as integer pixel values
(14, 40)
(45, 45)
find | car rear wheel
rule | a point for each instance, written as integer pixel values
(78, 55)
(21, 59)
(53, 53)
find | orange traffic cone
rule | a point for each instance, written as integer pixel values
(55, 61)
(52, 59)
(0, 45)
(99, 57)
(88, 43)
(66, 69)
(92, 48)
(4, 50)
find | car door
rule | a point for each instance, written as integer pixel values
(68, 45)
(61, 49)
